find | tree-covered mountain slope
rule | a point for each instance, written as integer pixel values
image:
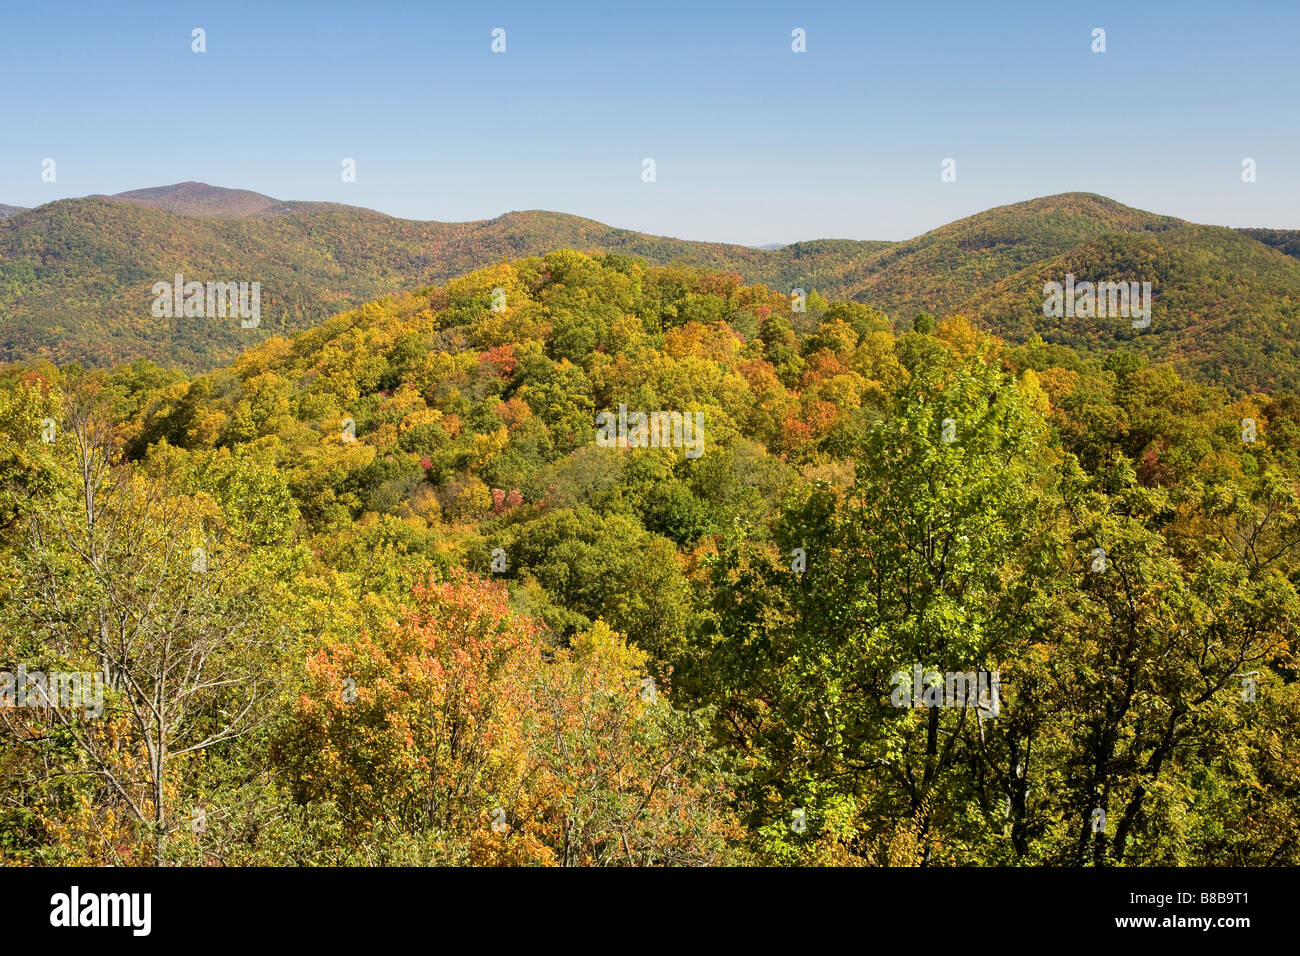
(76, 275)
(910, 597)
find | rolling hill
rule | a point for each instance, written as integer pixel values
(76, 275)
(1226, 309)
(198, 199)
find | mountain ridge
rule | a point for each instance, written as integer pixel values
(76, 274)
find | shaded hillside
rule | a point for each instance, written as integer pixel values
(1226, 309)
(1283, 240)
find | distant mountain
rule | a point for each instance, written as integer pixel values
(1226, 307)
(76, 275)
(947, 267)
(198, 199)
(7, 211)
(1283, 240)
(1226, 301)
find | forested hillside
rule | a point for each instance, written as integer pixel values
(1284, 240)
(1226, 311)
(379, 592)
(76, 275)
(202, 200)
(946, 268)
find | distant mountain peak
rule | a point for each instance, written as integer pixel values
(198, 199)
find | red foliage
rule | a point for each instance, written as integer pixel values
(502, 358)
(723, 285)
(821, 366)
(502, 502)
(34, 379)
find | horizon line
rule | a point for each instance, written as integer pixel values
(770, 245)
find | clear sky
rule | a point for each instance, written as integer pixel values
(752, 142)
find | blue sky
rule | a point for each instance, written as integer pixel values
(752, 143)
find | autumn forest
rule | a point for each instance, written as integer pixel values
(372, 592)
